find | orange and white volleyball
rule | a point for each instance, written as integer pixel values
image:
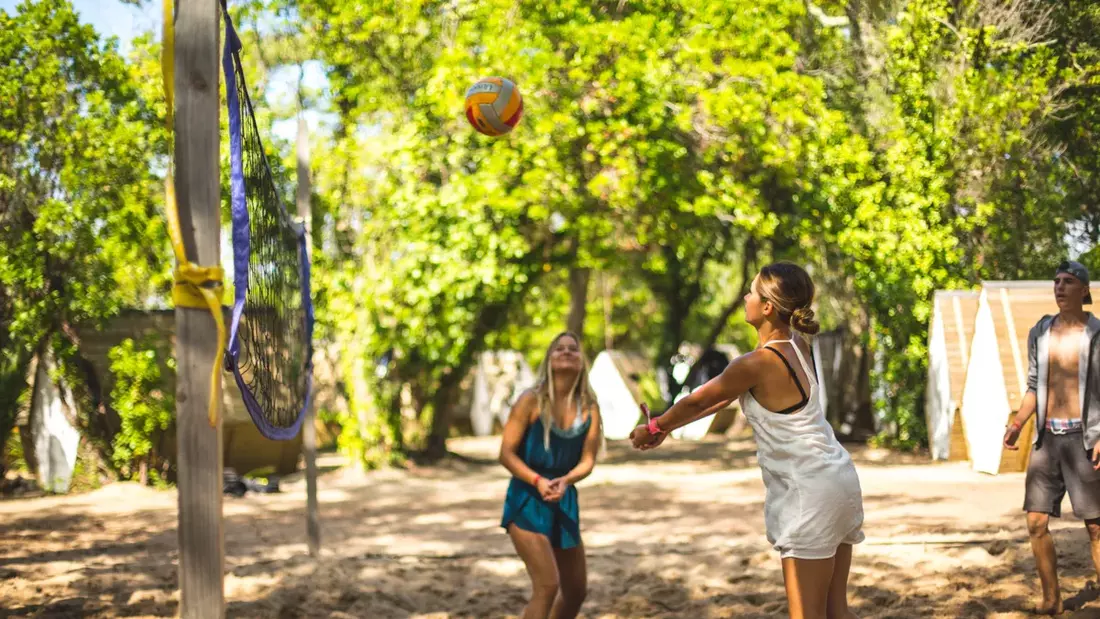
(493, 106)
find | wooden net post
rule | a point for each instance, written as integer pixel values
(201, 534)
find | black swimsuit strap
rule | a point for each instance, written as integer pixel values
(794, 376)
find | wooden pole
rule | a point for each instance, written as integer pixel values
(309, 430)
(608, 329)
(201, 546)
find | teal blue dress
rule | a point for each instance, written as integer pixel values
(560, 522)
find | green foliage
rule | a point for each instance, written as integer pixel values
(13, 453)
(959, 181)
(79, 221)
(76, 143)
(1076, 42)
(668, 147)
(658, 141)
(665, 146)
(145, 407)
(13, 391)
(1091, 259)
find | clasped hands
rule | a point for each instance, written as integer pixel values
(552, 490)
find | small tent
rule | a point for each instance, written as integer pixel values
(996, 376)
(949, 339)
(615, 377)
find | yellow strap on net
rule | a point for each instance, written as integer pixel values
(193, 286)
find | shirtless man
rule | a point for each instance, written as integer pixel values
(1064, 389)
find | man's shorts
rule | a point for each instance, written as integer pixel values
(1062, 463)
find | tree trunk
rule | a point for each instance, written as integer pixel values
(679, 294)
(578, 295)
(748, 266)
(671, 337)
(490, 319)
(670, 345)
(608, 328)
(441, 414)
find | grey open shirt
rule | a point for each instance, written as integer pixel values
(1088, 370)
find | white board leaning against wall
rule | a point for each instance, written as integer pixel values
(54, 434)
(949, 339)
(996, 376)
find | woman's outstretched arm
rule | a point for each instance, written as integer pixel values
(740, 375)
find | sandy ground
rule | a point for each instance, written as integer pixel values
(672, 533)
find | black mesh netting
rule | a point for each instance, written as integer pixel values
(270, 345)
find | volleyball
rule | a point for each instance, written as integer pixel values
(493, 106)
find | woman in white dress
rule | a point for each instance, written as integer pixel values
(814, 507)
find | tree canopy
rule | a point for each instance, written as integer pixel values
(668, 149)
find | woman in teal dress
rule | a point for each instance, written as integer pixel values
(550, 443)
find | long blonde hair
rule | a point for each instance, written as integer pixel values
(544, 387)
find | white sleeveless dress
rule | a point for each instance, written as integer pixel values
(814, 502)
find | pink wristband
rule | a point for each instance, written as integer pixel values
(535, 481)
(653, 428)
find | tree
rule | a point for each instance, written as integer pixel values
(78, 209)
(962, 185)
(1076, 35)
(638, 153)
(669, 147)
